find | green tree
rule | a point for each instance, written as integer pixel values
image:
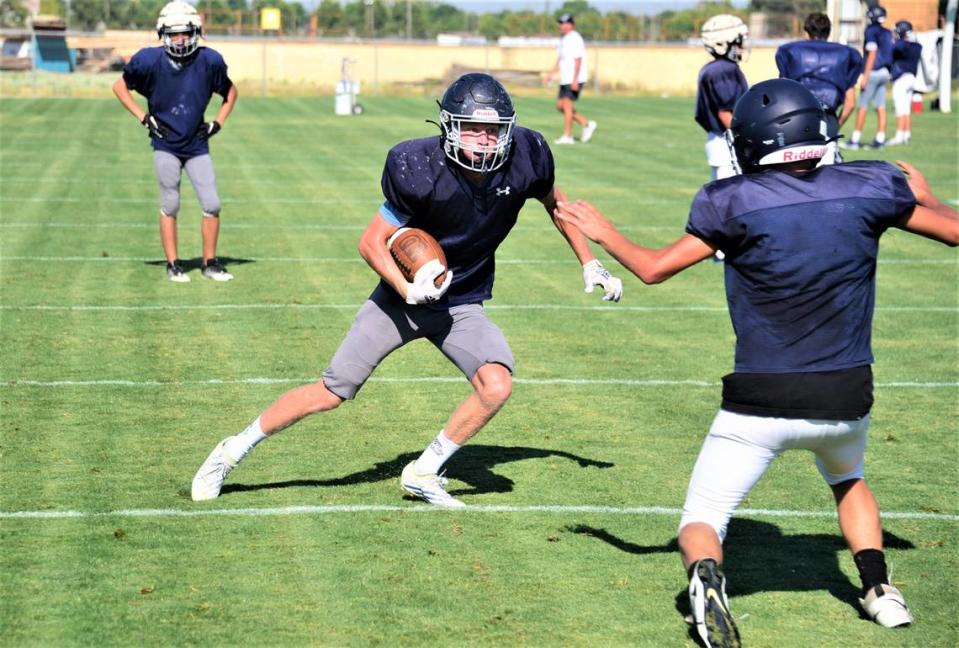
(13, 14)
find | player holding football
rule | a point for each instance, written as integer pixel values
(178, 80)
(465, 188)
(801, 245)
(829, 70)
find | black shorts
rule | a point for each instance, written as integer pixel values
(566, 92)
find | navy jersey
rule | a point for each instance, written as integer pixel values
(721, 83)
(905, 58)
(879, 38)
(178, 94)
(800, 266)
(827, 69)
(424, 189)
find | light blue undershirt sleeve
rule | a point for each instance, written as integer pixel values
(392, 216)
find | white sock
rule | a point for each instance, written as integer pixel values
(880, 137)
(856, 135)
(900, 135)
(238, 446)
(436, 454)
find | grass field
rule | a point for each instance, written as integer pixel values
(115, 384)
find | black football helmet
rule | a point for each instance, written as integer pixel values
(903, 27)
(876, 15)
(776, 121)
(479, 99)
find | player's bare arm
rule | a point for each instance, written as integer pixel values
(931, 218)
(372, 247)
(725, 117)
(577, 242)
(867, 68)
(126, 98)
(651, 266)
(228, 105)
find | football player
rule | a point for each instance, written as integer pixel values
(802, 376)
(465, 188)
(875, 76)
(906, 61)
(178, 79)
(829, 70)
(720, 85)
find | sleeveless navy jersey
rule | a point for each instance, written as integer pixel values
(881, 38)
(424, 189)
(827, 69)
(721, 83)
(178, 96)
(905, 58)
(800, 263)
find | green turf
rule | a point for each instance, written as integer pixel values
(84, 299)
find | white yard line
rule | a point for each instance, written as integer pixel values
(555, 509)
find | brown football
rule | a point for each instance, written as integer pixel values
(411, 248)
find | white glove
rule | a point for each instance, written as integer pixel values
(594, 274)
(423, 290)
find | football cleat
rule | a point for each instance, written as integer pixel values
(707, 599)
(213, 270)
(174, 272)
(885, 605)
(850, 146)
(877, 145)
(429, 487)
(209, 478)
(564, 139)
(588, 131)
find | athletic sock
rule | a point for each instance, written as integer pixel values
(880, 137)
(856, 135)
(238, 446)
(436, 454)
(871, 564)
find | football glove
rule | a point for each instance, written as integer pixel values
(154, 126)
(594, 274)
(206, 130)
(422, 290)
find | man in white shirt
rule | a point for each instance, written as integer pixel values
(571, 65)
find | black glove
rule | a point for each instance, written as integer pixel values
(156, 127)
(206, 130)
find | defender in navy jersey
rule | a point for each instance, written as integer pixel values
(829, 70)
(719, 86)
(178, 81)
(801, 245)
(906, 62)
(466, 188)
(877, 48)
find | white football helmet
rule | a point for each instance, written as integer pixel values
(179, 17)
(725, 36)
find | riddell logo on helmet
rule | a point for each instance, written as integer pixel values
(485, 113)
(804, 154)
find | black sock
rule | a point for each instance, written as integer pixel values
(692, 567)
(871, 564)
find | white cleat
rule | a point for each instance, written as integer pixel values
(885, 605)
(209, 478)
(564, 139)
(429, 487)
(588, 131)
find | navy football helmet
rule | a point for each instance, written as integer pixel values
(903, 29)
(876, 15)
(476, 98)
(776, 121)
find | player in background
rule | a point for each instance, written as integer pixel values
(906, 61)
(178, 80)
(465, 188)
(720, 85)
(573, 75)
(829, 70)
(875, 76)
(802, 376)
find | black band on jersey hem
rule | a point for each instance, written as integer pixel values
(843, 395)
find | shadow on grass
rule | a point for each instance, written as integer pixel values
(472, 465)
(196, 262)
(759, 558)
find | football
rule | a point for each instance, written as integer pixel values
(411, 248)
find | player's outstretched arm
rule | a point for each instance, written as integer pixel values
(931, 218)
(651, 266)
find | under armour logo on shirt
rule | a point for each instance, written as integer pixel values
(503, 192)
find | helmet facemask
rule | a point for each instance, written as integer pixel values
(181, 49)
(475, 157)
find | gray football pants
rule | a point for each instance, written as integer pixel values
(200, 171)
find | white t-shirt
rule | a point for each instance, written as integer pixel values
(572, 47)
